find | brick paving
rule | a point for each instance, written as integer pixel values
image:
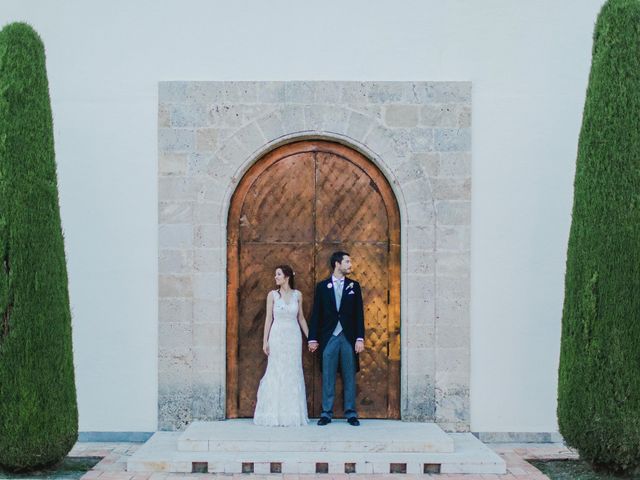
(113, 465)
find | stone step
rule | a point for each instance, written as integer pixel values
(371, 436)
(160, 454)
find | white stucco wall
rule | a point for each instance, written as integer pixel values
(528, 62)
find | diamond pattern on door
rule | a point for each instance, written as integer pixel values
(297, 205)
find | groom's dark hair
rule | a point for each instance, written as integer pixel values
(337, 257)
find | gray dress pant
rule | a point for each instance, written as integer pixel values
(339, 349)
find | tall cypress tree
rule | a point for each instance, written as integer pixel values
(599, 374)
(38, 411)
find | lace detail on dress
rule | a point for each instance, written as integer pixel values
(282, 400)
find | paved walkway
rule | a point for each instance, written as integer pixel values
(112, 467)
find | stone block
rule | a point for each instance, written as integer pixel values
(208, 334)
(293, 119)
(418, 190)
(175, 261)
(174, 407)
(175, 236)
(452, 139)
(177, 188)
(225, 115)
(208, 213)
(429, 162)
(359, 126)
(251, 113)
(198, 164)
(421, 310)
(444, 92)
(381, 140)
(172, 92)
(233, 152)
(421, 237)
(250, 137)
(222, 92)
(455, 164)
(326, 118)
(175, 212)
(176, 140)
(453, 311)
(272, 125)
(206, 358)
(206, 139)
(453, 238)
(175, 286)
(356, 93)
(444, 115)
(175, 310)
(452, 188)
(210, 310)
(164, 119)
(391, 92)
(172, 164)
(449, 287)
(452, 336)
(208, 260)
(328, 93)
(299, 92)
(453, 264)
(452, 212)
(208, 400)
(178, 236)
(420, 214)
(422, 140)
(408, 171)
(176, 363)
(271, 92)
(420, 336)
(176, 335)
(421, 262)
(206, 284)
(452, 404)
(453, 359)
(420, 286)
(401, 115)
(209, 236)
(192, 115)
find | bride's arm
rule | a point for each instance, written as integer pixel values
(301, 319)
(268, 321)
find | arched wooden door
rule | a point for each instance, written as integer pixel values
(297, 205)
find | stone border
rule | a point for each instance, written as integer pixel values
(419, 136)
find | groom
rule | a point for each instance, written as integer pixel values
(337, 327)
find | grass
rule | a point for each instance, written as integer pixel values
(69, 468)
(574, 470)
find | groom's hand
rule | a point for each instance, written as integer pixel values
(359, 346)
(313, 346)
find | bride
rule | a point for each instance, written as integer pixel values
(282, 400)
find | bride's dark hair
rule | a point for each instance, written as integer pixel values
(288, 272)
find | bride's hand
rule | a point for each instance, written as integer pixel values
(265, 348)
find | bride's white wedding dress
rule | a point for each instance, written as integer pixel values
(282, 400)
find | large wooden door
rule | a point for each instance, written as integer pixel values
(296, 206)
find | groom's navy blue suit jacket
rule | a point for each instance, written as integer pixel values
(325, 315)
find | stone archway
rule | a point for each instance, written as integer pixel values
(295, 206)
(418, 135)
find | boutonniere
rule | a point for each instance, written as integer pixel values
(349, 286)
(329, 285)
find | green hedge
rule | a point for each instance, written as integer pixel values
(599, 374)
(38, 411)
